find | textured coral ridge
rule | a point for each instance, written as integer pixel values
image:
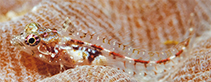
(141, 24)
(86, 74)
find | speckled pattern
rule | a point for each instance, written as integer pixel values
(141, 24)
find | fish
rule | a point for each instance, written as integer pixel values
(67, 47)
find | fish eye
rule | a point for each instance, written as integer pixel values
(32, 40)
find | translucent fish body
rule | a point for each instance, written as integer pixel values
(67, 47)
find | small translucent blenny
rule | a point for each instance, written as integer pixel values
(70, 48)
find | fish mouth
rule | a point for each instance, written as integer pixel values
(17, 41)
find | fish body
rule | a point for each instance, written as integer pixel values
(70, 48)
